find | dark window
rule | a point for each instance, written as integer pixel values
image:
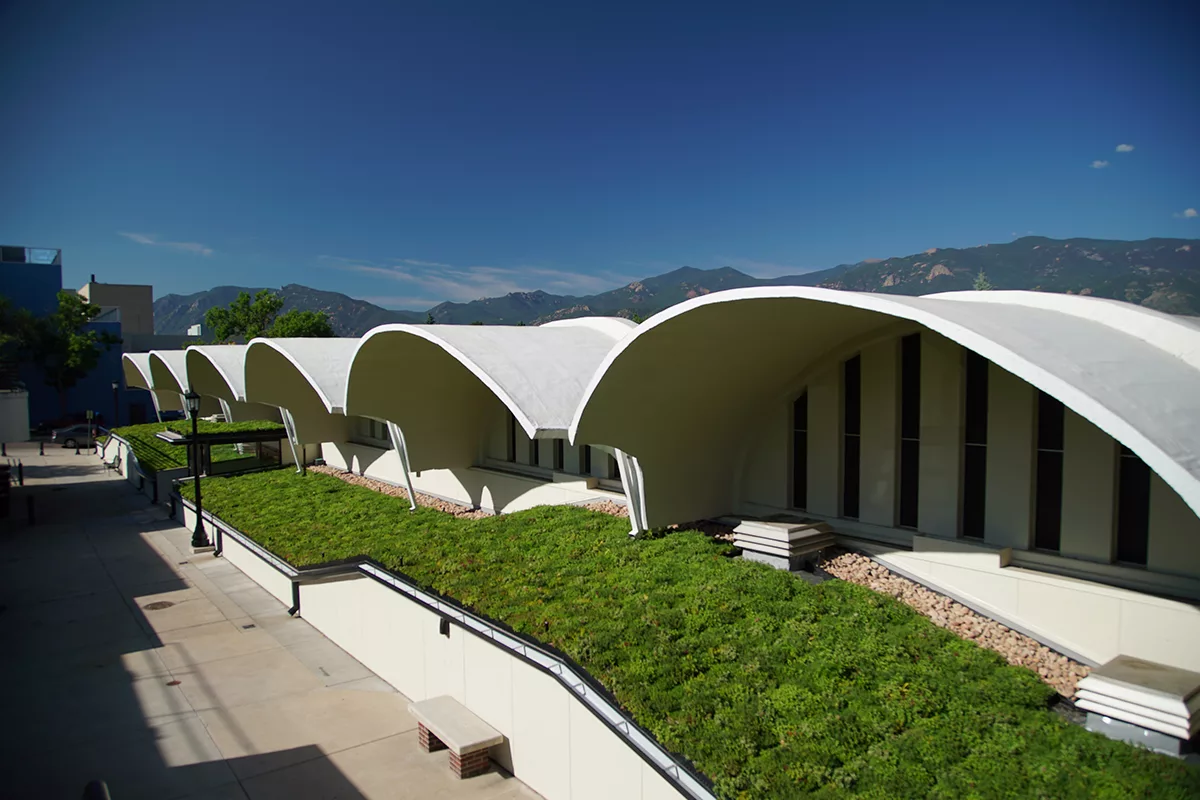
(910, 428)
(1047, 521)
(534, 452)
(851, 429)
(585, 459)
(1133, 508)
(510, 454)
(614, 472)
(975, 446)
(800, 452)
(558, 454)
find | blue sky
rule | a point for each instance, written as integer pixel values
(413, 153)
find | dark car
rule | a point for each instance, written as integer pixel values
(75, 435)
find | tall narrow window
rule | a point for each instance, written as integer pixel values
(851, 430)
(974, 491)
(585, 459)
(1047, 521)
(1133, 508)
(910, 428)
(800, 452)
(534, 452)
(558, 454)
(614, 472)
(510, 454)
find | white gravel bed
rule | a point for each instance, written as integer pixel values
(1057, 670)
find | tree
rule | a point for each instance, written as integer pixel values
(62, 347)
(477, 322)
(244, 318)
(982, 284)
(429, 320)
(306, 324)
(248, 318)
(637, 318)
(521, 323)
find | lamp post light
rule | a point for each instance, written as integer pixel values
(199, 537)
(116, 420)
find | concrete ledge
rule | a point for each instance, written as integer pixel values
(1153, 696)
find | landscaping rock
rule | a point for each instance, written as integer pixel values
(1054, 669)
(606, 507)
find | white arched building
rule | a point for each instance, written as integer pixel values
(1035, 455)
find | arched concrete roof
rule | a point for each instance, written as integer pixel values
(323, 363)
(168, 370)
(136, 367)
(539, 373)
(1132, 372)
(218, 370)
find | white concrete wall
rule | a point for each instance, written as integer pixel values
(880, 433)
(939, 475)
(14, 416)
(1008, 511)
(1091, 619)
(824, 443)
(1089, 480)
(1174, 532)
(502, 492)
(555, 744)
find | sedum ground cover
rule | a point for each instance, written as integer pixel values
(771, 686)
(154, 454)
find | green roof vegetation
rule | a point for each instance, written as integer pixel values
(153, 454)
(773, 687)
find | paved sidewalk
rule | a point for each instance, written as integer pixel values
(126, 658)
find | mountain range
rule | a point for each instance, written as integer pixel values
(1163, 274)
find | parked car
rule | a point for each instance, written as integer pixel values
(76, 434)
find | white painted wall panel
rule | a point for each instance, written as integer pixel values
(541, 744)
(940, 475)
(602, 768)
(1008, 520)
(1089, 478)
(880, 432)
(1174, 532)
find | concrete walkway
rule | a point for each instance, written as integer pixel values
(123, 657)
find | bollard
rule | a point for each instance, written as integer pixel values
(20, 474)
(41, 448)
(29, 508)
(3, 448)
(77, 448)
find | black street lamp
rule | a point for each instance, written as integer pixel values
(199, 537)
(116, 420)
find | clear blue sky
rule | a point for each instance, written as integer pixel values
(410, 153)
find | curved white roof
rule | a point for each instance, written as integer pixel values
(168, 369)
(539, 373)
(1132, 372)
(324, 363)
(136, 367)
(229, 360)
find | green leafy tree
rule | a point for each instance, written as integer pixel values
(982, 284)
(429, 320)
(521, 324)
(306, 324)
(62, 347)
(637, 318)
(477, 322)
(245, 317)
(16, 327)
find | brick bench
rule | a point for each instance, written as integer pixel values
(443, 723)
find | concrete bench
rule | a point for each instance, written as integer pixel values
(443, 723)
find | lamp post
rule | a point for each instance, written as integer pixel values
(199, 537)
(116, 420)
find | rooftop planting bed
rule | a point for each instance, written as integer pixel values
(153, 454)
(771, 686)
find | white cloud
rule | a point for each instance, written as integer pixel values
(153, 240)
(1188, 213)
(1098, 164)
(1124, 148)
(436, 281)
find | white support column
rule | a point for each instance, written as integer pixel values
(397, 437)
(635, 490)
(226, 409)
(880, 439)
(825, 443)
(289, 427)
(1010, 448)
(157, 411)
(941, 436)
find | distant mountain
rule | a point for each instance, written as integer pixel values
(1163, 274)
(175, 313)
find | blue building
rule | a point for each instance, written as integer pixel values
(31, 278)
